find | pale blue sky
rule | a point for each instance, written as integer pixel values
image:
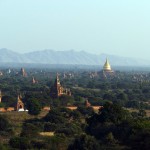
(120, 27)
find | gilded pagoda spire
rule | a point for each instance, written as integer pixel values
(107, 66)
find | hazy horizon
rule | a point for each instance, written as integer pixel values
(89, 52)
(113, 27)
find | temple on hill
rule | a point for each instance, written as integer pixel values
(58, 90)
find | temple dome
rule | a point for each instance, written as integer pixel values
(107, 66)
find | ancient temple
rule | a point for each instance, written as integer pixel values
(20, 105)
(107, 70)
(107, 67)
(58, 90)
(34, 81)
(87, 103)
(1, 73)
(23, 72)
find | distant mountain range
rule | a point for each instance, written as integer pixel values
(67, 57)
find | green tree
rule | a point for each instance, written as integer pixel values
(84, 142)
(3, 147)
(141, 140)
(65, 100)
(20, 143)
(4, 123)
(9, 100)
(33, 107)
(29, 130)
(109, 96)
(55, 116)
(122, 96)
(74, 129)
(2, 105)
(142, 113)
(113, 113)
(109, 139)
(88, 111)
(57, 142)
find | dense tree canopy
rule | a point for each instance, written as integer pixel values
(112, 127)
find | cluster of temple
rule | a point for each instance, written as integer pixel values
(56, 91)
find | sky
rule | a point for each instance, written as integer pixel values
(118, 27)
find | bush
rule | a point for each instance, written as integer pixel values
(50, 127)
(29, 130)
(39, 144)
(3, 147)
(84, 142)
(20, 143)
(4, 123)
(33, 106)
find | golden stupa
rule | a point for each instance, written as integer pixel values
(107, 67)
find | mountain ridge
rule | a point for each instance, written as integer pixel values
(71, 57)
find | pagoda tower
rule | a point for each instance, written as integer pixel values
(58, 87)
(58, 90)
(33, 80)
(23, 72)
(87, 104)
(107, 71)
(107, 67)
(20, 104)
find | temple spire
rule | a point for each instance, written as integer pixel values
(58, 90)
(20, 104)
(57, 79)
(107, 66)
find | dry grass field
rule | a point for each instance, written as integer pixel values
(136, 110)
(17, 118)
(47, 133)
